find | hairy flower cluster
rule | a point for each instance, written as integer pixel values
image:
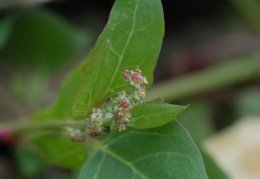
(97, 120)
(116, 112)
(123, 105)
(126, 101)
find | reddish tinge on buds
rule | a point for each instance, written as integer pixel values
(135, 78)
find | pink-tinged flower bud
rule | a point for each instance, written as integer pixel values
(124, 104)
(95, 133)
(137, 78)
(127, 74)
(120, 114)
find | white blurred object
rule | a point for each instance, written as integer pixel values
(237, 149)
(10, 3)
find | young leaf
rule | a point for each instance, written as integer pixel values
(153, 115)
(132, 39)
(165, 152)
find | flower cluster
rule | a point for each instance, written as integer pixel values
(116, 112)
(126, 101)
(135, 78)
(97, 120)
(123, 105)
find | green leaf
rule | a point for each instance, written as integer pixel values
(132, 39)
(151, 115)
(160, 153)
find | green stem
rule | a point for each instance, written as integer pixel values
(212, 78)
(30, 126)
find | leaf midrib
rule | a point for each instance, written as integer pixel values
(112, 154)
(125, 47)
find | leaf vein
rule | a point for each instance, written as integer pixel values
(122, 160)
(125, 46)
(99, 166)
(158, 154)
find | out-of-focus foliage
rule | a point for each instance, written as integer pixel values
(40, 40)
(213, 170)
(248, 103)
(62, 106)
(29, 163)
(251, 10)
(200, 126)
(5, 30)
(43, 43)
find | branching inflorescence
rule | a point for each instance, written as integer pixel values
(115, 113)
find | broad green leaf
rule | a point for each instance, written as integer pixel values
(159, 153)
(132, 39)
(151, 115)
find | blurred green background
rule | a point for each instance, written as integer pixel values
(210, 59)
